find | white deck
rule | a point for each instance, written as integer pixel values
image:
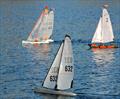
(42, 42)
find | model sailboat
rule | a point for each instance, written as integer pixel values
(60, 75)
(104, 32)
(43, 28)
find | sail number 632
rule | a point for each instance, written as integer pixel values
(53, 78)
(68, 68)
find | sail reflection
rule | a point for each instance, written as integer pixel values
(103, 56)
(57, 97)
(39, 52)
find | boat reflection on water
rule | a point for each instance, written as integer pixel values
(40, 47)
(38, 51)
(57, 97)
(103, 76)
(103, 56)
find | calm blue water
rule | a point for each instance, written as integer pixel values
(97, 72)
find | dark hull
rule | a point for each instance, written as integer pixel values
(53, 92)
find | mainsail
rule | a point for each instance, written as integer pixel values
(104, 31)
(60, 75)
(107, 31)
(50, 22)
(43, 28)
(66, 70)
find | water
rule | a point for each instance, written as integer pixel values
(24, 68)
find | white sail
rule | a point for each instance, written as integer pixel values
(35, 28)
(43, 28)
(104, 31)
(50, 23)
(60, 75)
(66, 70)
(51, 78)
(97, 36)
(107, 31)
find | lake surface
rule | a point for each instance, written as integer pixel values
(97, 72)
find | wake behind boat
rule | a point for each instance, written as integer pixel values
(60, 75)
(43, 28)
(104, 33)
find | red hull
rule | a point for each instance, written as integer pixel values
(102, 46)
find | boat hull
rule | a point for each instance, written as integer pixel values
(42, 42)
(103, 46)
(53, 92)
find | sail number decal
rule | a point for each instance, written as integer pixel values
(68, 68)
(68, 59)
(53, 78)
(54, 70)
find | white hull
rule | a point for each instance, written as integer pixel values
(42, 42)
(54, 92)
